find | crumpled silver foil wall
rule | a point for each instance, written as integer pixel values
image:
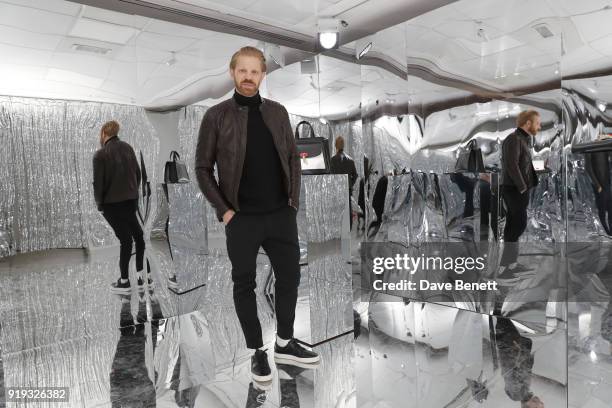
(158, 227)
(7, 195)
(187, 223)
(318, 218)
(44, 190)
(583, 123)
(47, 153)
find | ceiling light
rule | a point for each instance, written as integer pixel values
(516, 74)
(323, 120)
(328, 40)
(328, 33)
(556, 72)
(275, 53)
(363, 46)
(601, 106)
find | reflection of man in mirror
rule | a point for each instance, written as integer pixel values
(516, 360)
(341, 163)
(518, 177)
(597, 166)
(249, 140)
(116, 177)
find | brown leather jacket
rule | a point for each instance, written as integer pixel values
(116, 175)
(517, 167)
(222, 141)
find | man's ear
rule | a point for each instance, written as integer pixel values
(231, 71)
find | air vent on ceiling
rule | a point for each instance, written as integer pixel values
(91, 49)
(543, 30)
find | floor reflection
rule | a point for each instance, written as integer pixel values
(62, 326)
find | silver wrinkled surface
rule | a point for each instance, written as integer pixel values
(325, 200)
(158, 227)
(584, 123)
(46, 154)
(429, 351)
(44, 190)
(187, 218)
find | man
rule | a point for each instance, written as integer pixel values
(597, 166)
(343, 164)
(116, 178)
(256, 197)
(518, 177)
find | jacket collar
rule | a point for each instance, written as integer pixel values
(114, 138)
(522, 132)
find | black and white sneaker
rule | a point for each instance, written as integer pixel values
(119, 287)
(141, 282)
(260, 368)
(294, 353)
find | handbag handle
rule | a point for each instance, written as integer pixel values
(297, 129)
(472, 145)
(174, 156)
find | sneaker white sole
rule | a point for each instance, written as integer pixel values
(261, 378)
(289, 358)
(307, 366)
(262, 386)
(121, 290)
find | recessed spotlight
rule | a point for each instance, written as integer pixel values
(601, 106)
(328, 33)
(328, 40)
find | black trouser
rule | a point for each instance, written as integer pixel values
(516, 222)
(276, 233)
(122, 218)
(488, 209)
(603, 200)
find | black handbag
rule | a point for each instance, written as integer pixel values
(175, 170)
(313, 151)
(470, 160)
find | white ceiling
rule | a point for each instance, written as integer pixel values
(150, 59)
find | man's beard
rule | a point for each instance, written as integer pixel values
(249, 91)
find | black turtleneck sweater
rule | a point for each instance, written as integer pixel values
(261, 184)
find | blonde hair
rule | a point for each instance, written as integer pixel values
(526, 116)
(339, 143)
(110, 128)
(250, 52)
